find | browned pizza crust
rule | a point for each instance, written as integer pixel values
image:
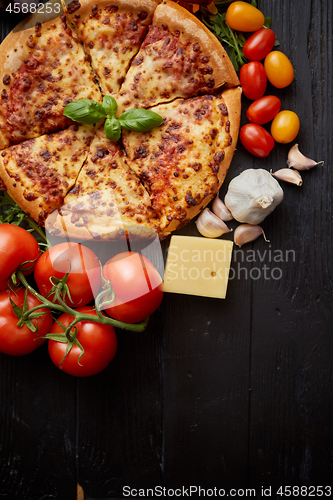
(38, 173)
(41, 70)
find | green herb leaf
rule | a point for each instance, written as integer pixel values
(267, 22)
(85, 111)
(110, 105)
(140, 120)
(112, 128)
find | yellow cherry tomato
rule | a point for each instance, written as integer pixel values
(279, 70)
(285, 126)
(242, 16)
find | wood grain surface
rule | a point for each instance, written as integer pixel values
(216, 393)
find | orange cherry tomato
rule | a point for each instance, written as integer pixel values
(242, 16)
(285, 126)
(279, 69)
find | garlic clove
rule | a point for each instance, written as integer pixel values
(210, 225)
(300, 162)
(221, 210)
(244, 233)
(288, 175)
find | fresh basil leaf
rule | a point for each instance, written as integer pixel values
(85, 111)
(112, 128)
(140, 120)
(110, 105)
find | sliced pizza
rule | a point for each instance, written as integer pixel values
(39, 172)
(183, 162)
(111, 33)
(41, 70)
(108, 200)
(179, 57)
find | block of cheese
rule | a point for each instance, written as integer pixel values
(198, 266)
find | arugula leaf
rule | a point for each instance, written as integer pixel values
(112, 128)
(140, 120)
(85, 111)
(110, 105)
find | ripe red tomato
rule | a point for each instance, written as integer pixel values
(258, 45)
(84, 278)
(256, 140)
(279, 69)
(136, 284)
(264, 109)
(253, 80)
(16, 246)
(98, 341)
(16, 340)
(243, 16)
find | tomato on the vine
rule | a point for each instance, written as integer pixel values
(253, 80)
(98, 341)
(256, 140)
(137, 286)
(258, 45)
(279, 69)
(84, 279)
(264, 109)
(242, 16)
(285, 126)
(16, 247)
(19, 340)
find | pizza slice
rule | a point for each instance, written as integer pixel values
(108, 200)
(183, 162)
(38, 173)
(111, 33)
(179, 57)
(41, 70)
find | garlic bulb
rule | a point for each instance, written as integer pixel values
(288, 175)
(300, 162)
(210, 225)
(221, 210)
(253, 195)
(245, 233)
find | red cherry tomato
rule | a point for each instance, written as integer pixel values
(84, 278)
(243, 16)
(16, 246)
(253, 80)
(19, 340)
(256, 140)
(137, 286)
(258, 45)
(264, 109)
(98, 341)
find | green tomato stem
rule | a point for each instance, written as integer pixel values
(64, 308)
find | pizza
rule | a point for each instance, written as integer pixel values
(147, 54)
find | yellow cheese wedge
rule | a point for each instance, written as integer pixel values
(198, 266)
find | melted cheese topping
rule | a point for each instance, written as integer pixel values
(179, 161)
(167, 66)
(54, 73)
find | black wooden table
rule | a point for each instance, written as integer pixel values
(233, 393)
